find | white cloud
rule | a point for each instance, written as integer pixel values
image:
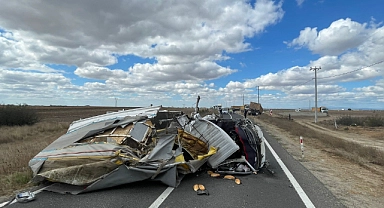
(180, 30)
(340, 36)
(299, 2)
(184, 38)
(100, 73)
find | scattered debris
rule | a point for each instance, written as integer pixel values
(200, 189)
(196, 187)
(229, 177)
(270, 171)
(215, 175)
(202, 192)
(25, 197)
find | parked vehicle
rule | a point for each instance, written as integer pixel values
(225, 111)
(321, 109)
(255, 109)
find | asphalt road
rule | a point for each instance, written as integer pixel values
(262, 190)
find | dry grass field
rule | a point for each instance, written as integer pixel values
(348, 160)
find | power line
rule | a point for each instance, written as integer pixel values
(304, 82)
(351, 71)
(379, 62)
(301, 84)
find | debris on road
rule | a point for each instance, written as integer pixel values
(200, 189)
(229, 177)
(147, 144)
(214, 175)
(25, 197)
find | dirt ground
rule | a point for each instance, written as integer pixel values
(356, 185)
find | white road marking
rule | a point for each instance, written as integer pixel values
(296, 185)
(161, 198)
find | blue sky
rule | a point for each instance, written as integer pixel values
(169, 52)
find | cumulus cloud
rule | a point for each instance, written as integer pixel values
(88, 32)
(100, 73)
(340, 36)
(186, 39)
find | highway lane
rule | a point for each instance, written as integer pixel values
(261, 190)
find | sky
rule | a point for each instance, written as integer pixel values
(141, 53)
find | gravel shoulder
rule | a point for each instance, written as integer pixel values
(355, 185)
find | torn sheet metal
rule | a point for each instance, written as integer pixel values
(113, 149)
(148, 112)
(129, 146)
(214, 135)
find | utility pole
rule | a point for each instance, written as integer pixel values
(258, 94)
(115, 102)
(315, 69)
(309, 106)
(243, 99)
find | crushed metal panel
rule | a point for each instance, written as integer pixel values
(80, 174)
(123, 147)
(124, 175)
(119, 176)
(162, 150)
(78, 164)
(148, 112)
(193, 145)
(262, 146)
(118, 134)
(71, 138)
(97, 150)
(89, 130)
(213, 134)
(139, 131)
(194, 165)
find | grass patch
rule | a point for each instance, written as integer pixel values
(370, 121)
(19, 144)
(10, 183)
(17, 115)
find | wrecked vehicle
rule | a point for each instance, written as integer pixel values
(146, 144)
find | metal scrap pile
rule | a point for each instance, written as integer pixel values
(128, 146)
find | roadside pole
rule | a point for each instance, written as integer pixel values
(302, 147)
(315, 69)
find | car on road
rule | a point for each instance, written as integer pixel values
(225, 111)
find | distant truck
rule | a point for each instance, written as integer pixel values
(255, 109)
(218, 106)
(321, 109)
(237, 108)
